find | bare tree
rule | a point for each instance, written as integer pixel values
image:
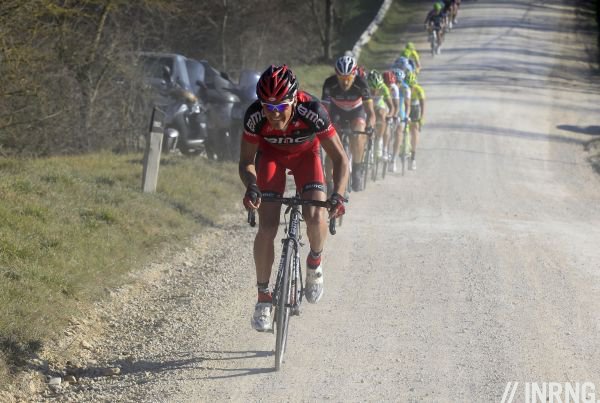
(68, 76)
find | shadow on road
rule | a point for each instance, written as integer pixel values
(591, 130)
(499, 131)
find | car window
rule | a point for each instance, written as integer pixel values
(152, 66)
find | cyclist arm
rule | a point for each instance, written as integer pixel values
(389, 103)
(417, 60)
(396, 107)
(422, 102)
(370, 112)
(247, 167)
(334, 149)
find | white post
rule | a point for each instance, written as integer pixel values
(152, 153)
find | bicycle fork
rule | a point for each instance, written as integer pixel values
(297, 285)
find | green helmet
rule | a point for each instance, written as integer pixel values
(410, 46)
(374, 78)
(438, 6)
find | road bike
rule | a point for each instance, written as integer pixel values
(289, 287)
(387, 159)
(405, 147)
(368, 155)
(434, 40)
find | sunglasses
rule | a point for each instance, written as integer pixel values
(346, 77)
(277, 107)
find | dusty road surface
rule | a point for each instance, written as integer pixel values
(480, 268)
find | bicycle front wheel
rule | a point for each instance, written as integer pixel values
(282, 314)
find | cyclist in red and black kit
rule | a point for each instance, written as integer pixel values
(348, 100)
(283, 130)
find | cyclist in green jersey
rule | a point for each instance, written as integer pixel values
(410, 52)
(382, 103)
(417, 111)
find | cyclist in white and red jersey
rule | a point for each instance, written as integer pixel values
(347, 98)
(283, 130)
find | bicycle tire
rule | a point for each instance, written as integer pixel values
(375, 170)
(283, 308)
(404, 152)
(366, 164)
(385, 164)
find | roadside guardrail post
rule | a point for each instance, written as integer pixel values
(152, 152)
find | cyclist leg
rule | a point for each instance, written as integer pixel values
(415, 116)
(308, 176)
(380, 113)
(358, 119)
(309, 180)
(271, 181)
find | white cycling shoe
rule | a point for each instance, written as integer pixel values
(314, 285)
(261, 319)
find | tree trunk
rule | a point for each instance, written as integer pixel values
(328, 29)
(223, 41)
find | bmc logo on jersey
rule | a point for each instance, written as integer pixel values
(286, 140)
(311, 115)
(254, 119)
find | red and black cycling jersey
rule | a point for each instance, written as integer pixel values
(333, 94)
(309, 120)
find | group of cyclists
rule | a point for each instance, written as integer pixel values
(440, 19)
(286, 128)
(380, 102)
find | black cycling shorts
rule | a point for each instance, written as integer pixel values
(340, 117)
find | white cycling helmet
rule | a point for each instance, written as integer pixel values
(345, 65)
(402, 63)
(399, 73)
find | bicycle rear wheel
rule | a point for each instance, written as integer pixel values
(375, 169)
(404, 151)
(283, 309)
(367, 155)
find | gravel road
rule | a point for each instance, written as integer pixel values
(480, 268)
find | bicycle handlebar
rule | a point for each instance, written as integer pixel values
(294, 201)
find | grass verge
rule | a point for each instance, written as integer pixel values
(389, 39)
(72, 226)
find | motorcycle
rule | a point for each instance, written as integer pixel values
(246, 92)
(186, 126)
(219, 100)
